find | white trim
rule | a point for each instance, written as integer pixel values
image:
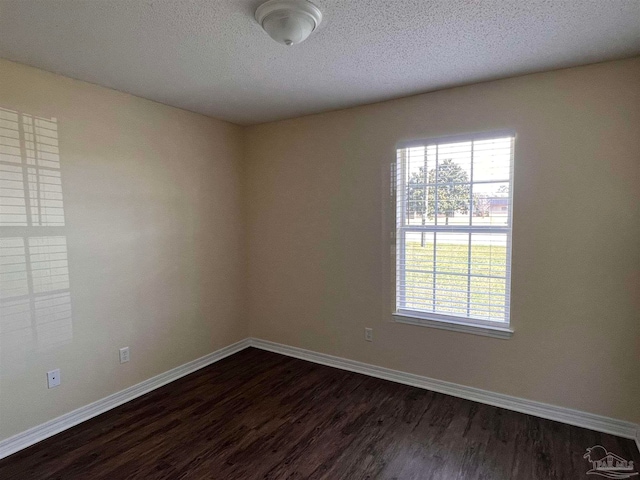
(543, 410)
(454, 325)
(404, 265)
(560, 414)
(36, 434)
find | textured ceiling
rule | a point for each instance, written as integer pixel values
(210, 56)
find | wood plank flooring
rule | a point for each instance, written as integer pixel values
(260, 415)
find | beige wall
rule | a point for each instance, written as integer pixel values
(319, 220)
(166, 228)
(154, 252)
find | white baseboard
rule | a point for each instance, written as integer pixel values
(530, 407)
(565, 415)
(36, 434)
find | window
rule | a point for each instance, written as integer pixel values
(453, 232)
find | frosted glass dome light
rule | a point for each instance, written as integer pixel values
(288, 21)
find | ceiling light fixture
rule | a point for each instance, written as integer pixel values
(288, 21)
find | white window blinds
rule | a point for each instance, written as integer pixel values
(453, 238)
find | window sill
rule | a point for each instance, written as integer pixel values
(456, 326)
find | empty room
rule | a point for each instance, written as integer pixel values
(283, 239)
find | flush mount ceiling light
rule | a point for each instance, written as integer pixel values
(288, 21)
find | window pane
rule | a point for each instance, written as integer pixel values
(491, 204)
(452, 253)
(489, 254)
(458, 154)
(450, 203)
(418, 162)
(417, 293)
(416, 202)
(488, 298)
(419, 250)
(451, 294)
(492, 159)
(415, 288)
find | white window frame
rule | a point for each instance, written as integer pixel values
(438, 320)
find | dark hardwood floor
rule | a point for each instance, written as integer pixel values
(259, 415)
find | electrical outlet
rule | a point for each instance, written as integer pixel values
(124, 354)
(53, 378)
(368, 334)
